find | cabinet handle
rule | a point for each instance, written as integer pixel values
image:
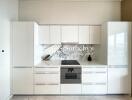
(86, 72)
(118, 66)
(46, 84)
(22, 67)
(45, 67)
(47, 73)
(94, 83)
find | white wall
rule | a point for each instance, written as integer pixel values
(8, 11)
(67, 12)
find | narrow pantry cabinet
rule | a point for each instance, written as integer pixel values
(94, 79)
(23, 44)
(24, 49)
(118, 80)
(22, 80)
(69, 34)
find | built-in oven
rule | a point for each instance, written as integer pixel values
(71, 75)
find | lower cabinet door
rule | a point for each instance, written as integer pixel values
(118, 80)
(94, 89)
(47, 89)
(70, 88)
(22, 81)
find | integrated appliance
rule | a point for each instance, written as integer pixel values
(70, 72)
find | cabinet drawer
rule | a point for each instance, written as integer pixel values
(94, 89)
(47, 78)
(47, 70)
(94, 78)
(94, 70)
(70, 88)
(47, 89)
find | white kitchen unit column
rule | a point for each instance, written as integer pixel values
(119, 56)
(69, 34)
(24, 56)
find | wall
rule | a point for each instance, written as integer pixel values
(126, 10)
(8, 12)
(69, 12)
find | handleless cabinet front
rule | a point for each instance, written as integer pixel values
(22, 80)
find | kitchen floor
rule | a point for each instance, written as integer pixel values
(108, 97)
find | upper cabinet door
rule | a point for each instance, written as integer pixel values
(69, 34)
(95, 34)
(44, 34)
(118, 33)
(84, 33)
(55, 34)
(23, 43)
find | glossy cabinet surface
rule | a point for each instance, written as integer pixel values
(69, 34)
(22, 80)
(70, 88)
(118, 33)
(94, 80)
(44, 34)
(95, 34)
(55, 34)
(84, 34)
(23, 43)
(89, 34)
(118, 80)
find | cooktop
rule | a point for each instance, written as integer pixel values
(69, 62)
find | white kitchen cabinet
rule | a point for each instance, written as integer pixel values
(47, 89)
(89, 34)
(44, 34)
(118, 43)
(118, 80)
(94, 79)
(23, 43)
(55, 34)
(84, 35)
(22, 80)
(47, 78)
(95, 34)
(70, 88)
(69, 34)
(94, 88)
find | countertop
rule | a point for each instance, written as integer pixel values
(57, 63)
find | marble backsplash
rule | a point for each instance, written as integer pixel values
(72, 52)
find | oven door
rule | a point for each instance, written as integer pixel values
(70, 75)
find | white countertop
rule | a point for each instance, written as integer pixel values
(57, 63)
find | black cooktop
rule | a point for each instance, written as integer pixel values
(69, 62)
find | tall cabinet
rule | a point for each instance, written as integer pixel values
(119, 51)
(23, 55)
